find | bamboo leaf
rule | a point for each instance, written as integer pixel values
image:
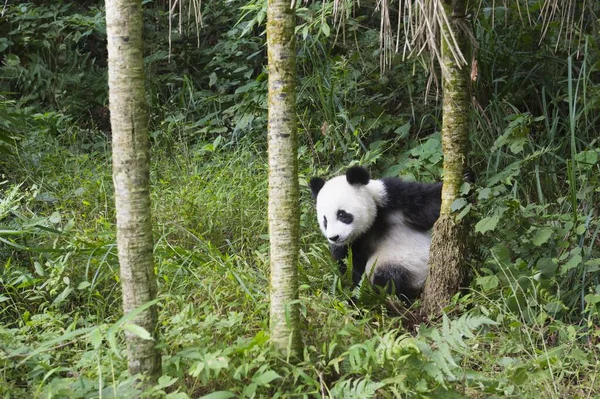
(325, 29)
(219, 395)
(138, 330)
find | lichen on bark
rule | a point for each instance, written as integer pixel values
(283, 212)
(131, 177)
(448, 253)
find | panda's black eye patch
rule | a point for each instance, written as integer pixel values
(324, 222)
(345, 217)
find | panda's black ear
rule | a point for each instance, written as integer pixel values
(316, 184)
(357, 175)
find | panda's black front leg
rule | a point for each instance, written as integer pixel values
(359, 263)
(339, 253)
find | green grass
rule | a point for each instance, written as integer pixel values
(61, 336)
(525, 328)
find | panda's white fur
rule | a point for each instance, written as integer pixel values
(385, 222)
(403, 246)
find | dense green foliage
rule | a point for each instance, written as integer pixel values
(525, 327)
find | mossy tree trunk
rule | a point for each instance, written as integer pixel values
(447, 261)
(131, 177)
(283, 212)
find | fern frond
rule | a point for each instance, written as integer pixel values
(362, 388)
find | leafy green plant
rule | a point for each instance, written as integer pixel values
(525, 327)
(44, 44)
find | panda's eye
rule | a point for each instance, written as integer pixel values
(344, 217)
(324, 222)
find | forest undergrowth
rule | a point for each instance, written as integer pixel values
(526, 326)
(62, 325)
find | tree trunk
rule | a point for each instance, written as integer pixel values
(448, 253)
(283, 178)
(131, 177)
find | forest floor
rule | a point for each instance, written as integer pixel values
(62, 332)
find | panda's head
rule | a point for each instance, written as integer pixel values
(347, 205)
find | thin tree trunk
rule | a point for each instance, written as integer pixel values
(283, 178)
(131, 177)
(447, 261)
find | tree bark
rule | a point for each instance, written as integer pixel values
(131, 177)
(283, 211)
(448, 252)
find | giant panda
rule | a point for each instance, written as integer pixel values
(385, 222)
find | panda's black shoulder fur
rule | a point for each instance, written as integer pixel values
(419, 202)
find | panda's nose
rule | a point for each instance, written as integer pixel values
(334, 238)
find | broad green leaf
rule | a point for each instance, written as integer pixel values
(325, 28)
(571, 264)
(541, 236)
(219, 395)
(166, 381)
(249, 390)
(458, 203)
(265, 378)
(197, 369)
(592, 299)
(589, 157)
(517, 144)
(11, 60)
(501, 253)
(487, 283)
(487, 224)
(217, 362)
(403, 130)
(96, 338)
(484, 193)
(592, 265)
(465, 188)
(464, 212)
(177, 395)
